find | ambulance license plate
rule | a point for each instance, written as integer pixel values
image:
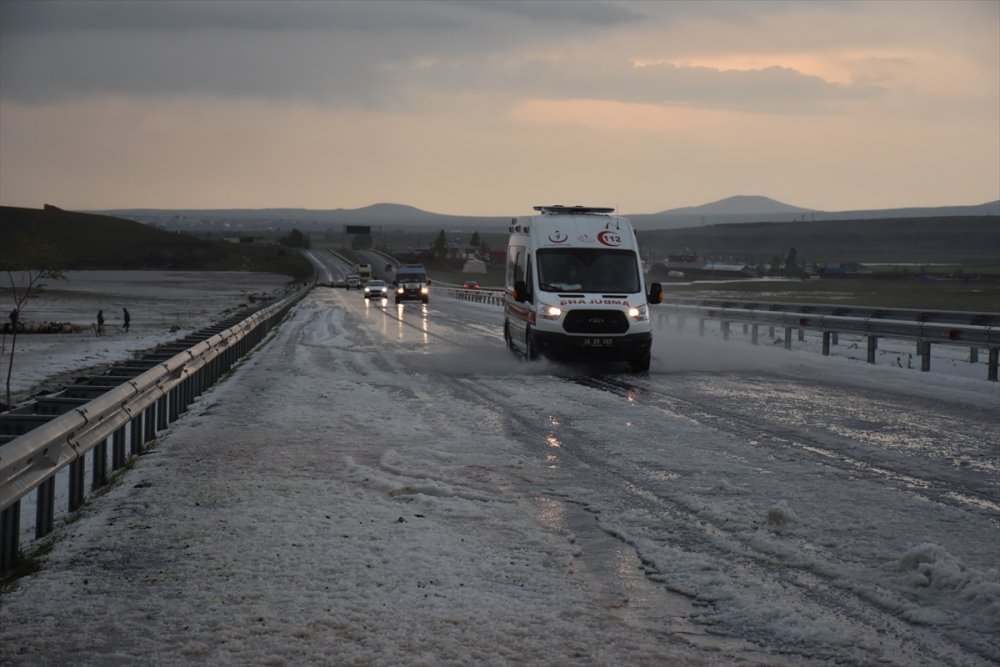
(598, 342)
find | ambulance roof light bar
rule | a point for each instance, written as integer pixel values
(560, 209)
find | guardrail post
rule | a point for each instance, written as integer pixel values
(161, 413)
(770, 332)
(701, 326)
(182, 392)
(175, 412)
(788, 338)
(135, 435)
(76, 474)
(802, 334)
(826, 343)
(45, 507)
(872, 347)
(149, 420)
(973, 355)
(99, 474)
(834, 338)
(118, 448)
(924, 348)
(991, 373)
(10, 532)
(725, 330)
(753, 334)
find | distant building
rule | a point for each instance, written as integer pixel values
(462, 251)
(726, 268)
(693, 266)
(844, 269)
(684, 263)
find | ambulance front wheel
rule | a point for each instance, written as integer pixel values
(530, 352)
(640, 363)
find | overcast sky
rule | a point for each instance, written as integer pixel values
(489, 108)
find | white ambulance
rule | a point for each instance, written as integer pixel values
(575, 288)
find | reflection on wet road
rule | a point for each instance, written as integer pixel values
(739, 510)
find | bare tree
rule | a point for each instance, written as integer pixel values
(34, 260)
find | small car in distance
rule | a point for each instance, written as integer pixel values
(376, 289)
(353, 281)
(470, 284)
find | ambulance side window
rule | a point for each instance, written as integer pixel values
(529, 279)
(515, 265)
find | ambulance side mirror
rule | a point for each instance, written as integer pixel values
(655, 293)
(520, 291)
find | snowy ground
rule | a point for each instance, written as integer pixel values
(158, 301)
(386, 485)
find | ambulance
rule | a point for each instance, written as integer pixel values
(574, 288)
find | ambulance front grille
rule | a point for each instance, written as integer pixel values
(595, 322)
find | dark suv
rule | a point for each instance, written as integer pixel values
(411, 283)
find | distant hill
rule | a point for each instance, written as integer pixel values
(399, 217)
(86, 241)
(387, 217)
(968, 240)
(745, 209)
(747, 228)
(740, 205)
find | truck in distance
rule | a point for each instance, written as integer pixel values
(364, 273)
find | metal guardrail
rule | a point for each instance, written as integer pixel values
(974, 330)
(866, 312)
(934, 329)
(491, 297)
(135, 410)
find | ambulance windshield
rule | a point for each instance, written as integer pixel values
(588, 270)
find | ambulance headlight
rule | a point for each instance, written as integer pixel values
(639, 314)
(551, 312)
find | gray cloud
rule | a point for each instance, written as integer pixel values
(774, 89)
(346, 52)
(60, 16)
(34, 17)
(377, 55)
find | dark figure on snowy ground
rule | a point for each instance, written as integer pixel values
(100, 323)
(128, 319)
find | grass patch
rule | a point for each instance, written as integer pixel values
(28, 562)
(977, 296)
